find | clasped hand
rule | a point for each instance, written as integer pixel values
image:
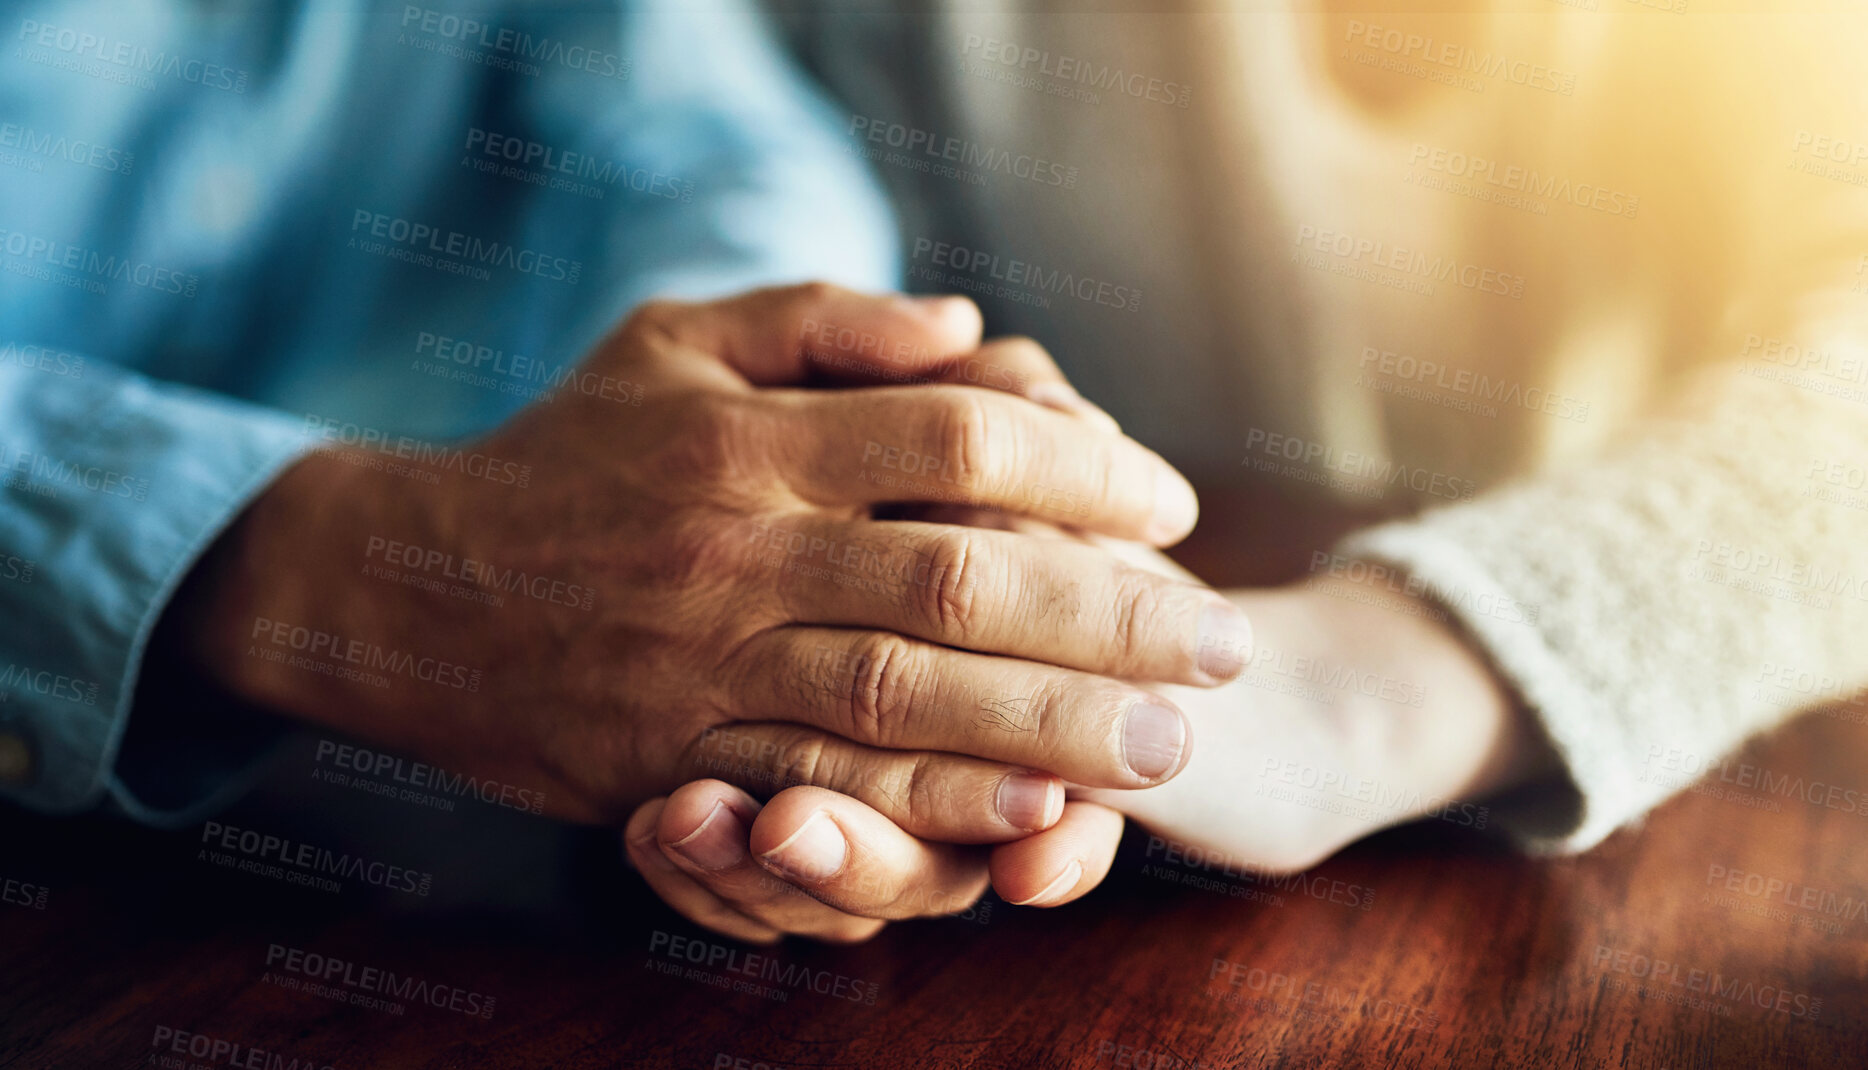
(766, 614)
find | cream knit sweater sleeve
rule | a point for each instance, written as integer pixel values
(1706, 583)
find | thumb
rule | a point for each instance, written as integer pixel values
(782, 335)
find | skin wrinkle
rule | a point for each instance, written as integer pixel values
(924, 795)
(952, 584)
(966, 439)
(874, 684)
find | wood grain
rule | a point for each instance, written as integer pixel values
(1441, 949)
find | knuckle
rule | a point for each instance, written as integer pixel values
(692, 552)
(963, 438)
(1110, 485)
(712, 445)
(1021, 345)
(1049, 712)
(813, 292)
(1138, 608)
(802, 302)
(950, 599)
(1060, 718)
(654, 317)
(919, 794)
(881, 688)
(801, 760)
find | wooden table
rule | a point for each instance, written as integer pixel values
(1426, 946)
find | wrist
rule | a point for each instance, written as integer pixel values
(278, 567)
(1458, 723)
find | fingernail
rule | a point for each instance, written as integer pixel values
(719, 843)
(1153, 737)
(815, 852)
(1225, 640)
(1064, 398)
(1176, 508)
(1057, 889)
(1025, 801)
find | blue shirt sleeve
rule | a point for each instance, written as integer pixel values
(180, 293)
(113, 485)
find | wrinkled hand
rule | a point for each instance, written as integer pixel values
(739, 611)
(755, 872)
